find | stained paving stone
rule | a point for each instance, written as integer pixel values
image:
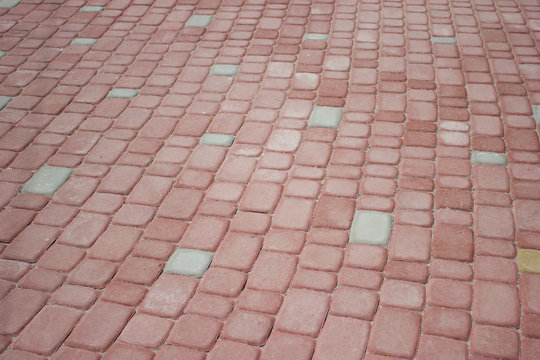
(9, 4)
(443, 40)
(224, 69)
(489, 158)
(325, 116)
(528, 261)
(123, 93)
(371, 227)
(536, 113)
(47, 180)
(83, 41)
(4, 100)
(189, 262)
(217, 140)
(92, 9)
(312, 36)
(199, 21)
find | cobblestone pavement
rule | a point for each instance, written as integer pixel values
(269, 179)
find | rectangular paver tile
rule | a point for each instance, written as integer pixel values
(123, 93)
(217, 140)
(83, 41)
(91, 9)
(224, 69)
(199, 21)
(4, 101)
(189, 262)
(490, 158)
(371, 227)
(325, 116)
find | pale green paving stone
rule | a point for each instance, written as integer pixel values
(323, 37)
(8, 4)
(489, 158)
(224, 70)
(92, 9)
(47, 180)
(123, 93)
(371, 227)
(189, 262)
(217, 140)
(199, 21)
(4, 101)
(536, 113)
(325, 116)
(443, 40)
(2, 54)
(83, 41)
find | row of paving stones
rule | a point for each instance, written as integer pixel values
(371, 215)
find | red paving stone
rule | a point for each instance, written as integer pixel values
(421, 84)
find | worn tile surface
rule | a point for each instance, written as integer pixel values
(269, 179)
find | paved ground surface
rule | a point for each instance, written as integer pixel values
(269, 179)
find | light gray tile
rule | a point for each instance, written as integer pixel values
(83, 41)
(536, 113)
(199, 21)
(92, 9)
(123, 93)
(189, 262)
(443, 40)
(8, 4)
(490, 158)
(224, 70)
(371, 227)
(47, 180)
(4, 101)
(217, 140)
(326, 116)
(2, 54)
(309, 36)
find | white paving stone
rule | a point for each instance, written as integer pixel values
(224, 70)
(189, 262)
(371, 227)
(8, 4)
(83, 41)
(123, 93)
(2, 54)
(217, 140)
(310, 36)
(47, 180)
(326, 116)
(4, 101)
(443, 40)
(490, 158)
(199, 21)
(536, 113)
(91, 9)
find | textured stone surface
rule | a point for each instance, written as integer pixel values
(490, 158)
(311, 36)
(224, 69)
(217, 140)
(443, 40)
(47, 180)
(371, 227)
(83, 41)
(199, 21)
(529, 261)
(91, 9)
(189, 262)
(325, 116)
(123, 93)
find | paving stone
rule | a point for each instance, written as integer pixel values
(312, 36)
(189, 262)
(83, 41)
(490, 158)
(2, 54)
(287, 346)
(123, 93)
(47, 180)
(92, 9)
(443, 40)
(325, 116)
(224, 69)
(342, 338)
(371, 227)
(303, 312)
(529, 261)
(4, 101)
(8, 4)
(217, 140)
(199, 21)
(536, 113)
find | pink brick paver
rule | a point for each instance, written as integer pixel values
(364, 177)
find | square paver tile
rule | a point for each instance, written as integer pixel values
(92, 9)
(189, 262)
(4, 101)
(47, 180)
(529, 261)
(224, 69)
(217, 140)
(83, 41)
(536, 113)
(443, 40)
(309, 36)
(123, 93)
(8, 4)
(371, 227)
(490, 158)
(199, 21)
(325, 116)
